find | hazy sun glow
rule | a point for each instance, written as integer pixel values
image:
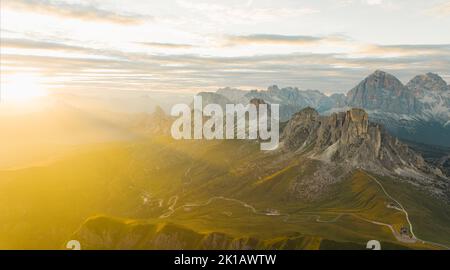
(21, 87)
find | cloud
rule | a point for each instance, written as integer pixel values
(80, 67)
(18, 43)
(166, 45)
(188, 72)
(336, 64)
(440, 10)
(74, 11)
(298, 40)
(272, 39)
(404, 49)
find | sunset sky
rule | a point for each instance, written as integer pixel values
(204, 45)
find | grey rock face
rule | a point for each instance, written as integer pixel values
(349, 137)
(418, 112)
(421, 84)
(382, 91)
(298, 132)
(434, 95)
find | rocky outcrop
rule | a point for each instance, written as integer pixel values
(298, 132)
(349, 137)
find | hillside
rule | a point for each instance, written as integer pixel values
(211, 188)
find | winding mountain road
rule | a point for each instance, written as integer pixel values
(173, 200)
(414, 237)
(397, 202)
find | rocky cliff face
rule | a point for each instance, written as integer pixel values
(434, 95)
(418, 112)
(382, 91)
(430, 82)
(350, 138)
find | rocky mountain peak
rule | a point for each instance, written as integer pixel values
(423, 83)
(213, 98)
(307, 113)
(350, 138)
(273, 88)
(298, 130)
(307, 126)
(434, 76)
(382, 91)
(233, 94)
(383, 79)
(358, 121)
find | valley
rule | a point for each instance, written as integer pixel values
(162, 186)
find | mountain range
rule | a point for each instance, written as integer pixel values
(418, 111)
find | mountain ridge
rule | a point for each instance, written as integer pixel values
(350, 138)
(418, 111)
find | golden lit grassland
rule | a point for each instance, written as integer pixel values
(343, 216)
(202, 186)
(41, 206)
(430, 217)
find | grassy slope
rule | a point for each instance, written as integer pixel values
(41, 207)
(430, 217)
